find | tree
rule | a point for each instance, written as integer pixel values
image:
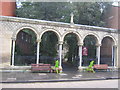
(48, 44)
(87, 13)
(73, 48)
(53, 11)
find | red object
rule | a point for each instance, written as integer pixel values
(101, 66)
(7, 7)
(41, 67)
(84, 51)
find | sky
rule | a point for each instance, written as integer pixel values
(114, 4)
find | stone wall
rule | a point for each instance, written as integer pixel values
(5, 49)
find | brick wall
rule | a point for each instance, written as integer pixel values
(7, 8)
(24, 43)
(106, 48)
(112, 17)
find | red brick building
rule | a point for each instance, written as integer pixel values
(7, 8)
(112, 17)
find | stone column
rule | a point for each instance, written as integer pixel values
(114, 56)
(38, 50)
(113, 53)
(13, 51)
(60, 54)
(80, 55)
(98, 53)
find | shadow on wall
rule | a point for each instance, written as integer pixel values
(5, 59)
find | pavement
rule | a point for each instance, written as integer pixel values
(16, 76)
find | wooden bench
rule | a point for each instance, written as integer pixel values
(41, 67)
(100, 67)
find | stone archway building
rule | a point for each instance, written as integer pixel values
(10, 26)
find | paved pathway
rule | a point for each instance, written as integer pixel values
(65, 76)
(79, 84)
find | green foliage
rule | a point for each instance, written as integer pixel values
(33, 35)
(90, 42)
(87, 13)
(52, 11)
(73, 47)
(48, 44)
(18, 50)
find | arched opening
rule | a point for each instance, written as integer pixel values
(70, 52)
(49, 48)
(107, 51)
(90, 46)
(25, 48)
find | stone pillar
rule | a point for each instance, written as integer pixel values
(114, 56)
(38, 50)
(113, 53)
(60, 54)
(80, 55)
(98, 53)
(13, 51)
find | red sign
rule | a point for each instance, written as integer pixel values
(84, 51)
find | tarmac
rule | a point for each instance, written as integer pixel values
(17, 76)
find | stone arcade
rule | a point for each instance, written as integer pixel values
(10, 27)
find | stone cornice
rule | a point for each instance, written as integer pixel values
(57, 24)
(13, 38)
(98, 44)
(80, 44)
(60, 42)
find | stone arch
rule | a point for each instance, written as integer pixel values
(24, 47)
(108, 50)
(76, 33)
(93, 34)
(53, 30)
(14, 35)
(110, 36)
(73, 57)
(91, 47)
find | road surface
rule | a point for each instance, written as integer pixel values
(77, 84)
